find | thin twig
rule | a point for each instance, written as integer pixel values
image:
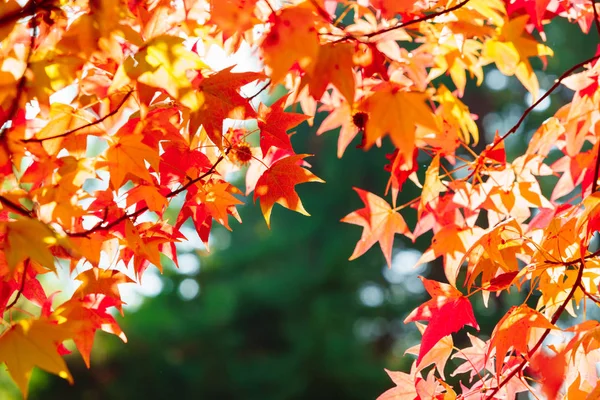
(596, 19)
(556, 84)
(23, 12)
(588, 294)
(15, 207)
(142, 210)
(260, 90)
(404, 24)
(90, 124)
(596, 171)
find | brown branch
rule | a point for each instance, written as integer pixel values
(596, 171)
(90, 124)
(142, 210)
(539, 343)
(21, 288)
(26, 11)
(596, 19)
(31, 7)
(260, 90)
(588, 294)
(556, 84)
(323, 13)
(404, 24)
(15, 207)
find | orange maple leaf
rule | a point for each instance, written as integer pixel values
(221, 100)
(233, 16)
(332, 65)
(128, 156)
(84, 317)
(380, 224)
(514, 330)
(100, 281)
(292, 39)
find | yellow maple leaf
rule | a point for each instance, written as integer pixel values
(30, 343)
(163, 63)
(455, 113)
(29, 238)
(511, 52)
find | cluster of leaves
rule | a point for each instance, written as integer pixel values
(108, 112)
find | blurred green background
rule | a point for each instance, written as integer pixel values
(283, 314)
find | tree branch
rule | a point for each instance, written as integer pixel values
(556, 84)
(404, 24)
(596, 19)
(15, 207)
(90, 124)
(26, 11)
(539, 343)
(144, 209)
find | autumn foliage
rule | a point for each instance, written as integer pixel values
(109, 111)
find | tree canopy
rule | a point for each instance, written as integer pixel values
(115, 130)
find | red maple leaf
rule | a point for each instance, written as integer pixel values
(447, 312)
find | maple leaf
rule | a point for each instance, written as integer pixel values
(447, 312)
(147, 196)
(30, 343)
(400, 171)
(438, 355)
(451, 242)
(162, 62)
(433, 185)
(217, 199)
(274, 123)
(128, 155)
(537, 11)
(380, 224)
(475, 357)
(405, 387)
(233, 16)
(389, 8)
(340, 116)
(511, 52)
(332, 65)
(84, 317)
(514, 330)
(178, 161)
(292, 39)
(396, 112)
(100, 281)
(29, 238)
(276, 185)
(220, 99)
